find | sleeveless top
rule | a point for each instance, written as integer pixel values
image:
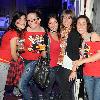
(90, 49)
(54, 51)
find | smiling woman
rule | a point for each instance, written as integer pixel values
(70, 49)
(33, 43)
(8, 47)
(90, 58)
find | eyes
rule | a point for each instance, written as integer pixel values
(81, 22)
(22, 18)
(52, 21)
(84, 24)
(33, 20)
(55, 22)
(67, 17)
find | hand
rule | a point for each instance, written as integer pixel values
(77, 63)
(72, 76)
(80, 62)
(74, 68)
(43, 53)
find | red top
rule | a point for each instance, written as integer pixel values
(29, 37)
(5, 50)
(93, 68)
(54, 51)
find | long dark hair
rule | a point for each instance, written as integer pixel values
(15, 17)
(12, 26)
(53, 15)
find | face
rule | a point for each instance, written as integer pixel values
(82, 26)
(33, 20)
(67, 20)
(21, 22)
(53, 24)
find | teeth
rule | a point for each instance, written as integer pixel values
(80, 30)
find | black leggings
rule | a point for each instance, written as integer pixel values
(60, 75)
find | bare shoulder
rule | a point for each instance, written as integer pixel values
(42, 29)
(95, 36)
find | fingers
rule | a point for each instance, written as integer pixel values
(71, 79)
(75, 63)
(72, 76)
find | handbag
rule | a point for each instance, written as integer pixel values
(42, 73)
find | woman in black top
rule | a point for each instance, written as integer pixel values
(71, 40)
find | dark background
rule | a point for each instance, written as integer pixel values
(7, 7)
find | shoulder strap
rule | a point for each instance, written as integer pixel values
(47, 43)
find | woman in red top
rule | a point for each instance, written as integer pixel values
(90, 57)
(53, 51)
(33, 39)
(8, 47)
(58, 73)
(54, 40)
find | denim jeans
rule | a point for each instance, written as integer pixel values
(25, 79)
(4, 67)
(92, 85)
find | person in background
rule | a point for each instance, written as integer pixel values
(71, 43)
(90, 58)
(8, 47)
(33, 36)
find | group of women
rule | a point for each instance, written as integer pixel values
(65, 35)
